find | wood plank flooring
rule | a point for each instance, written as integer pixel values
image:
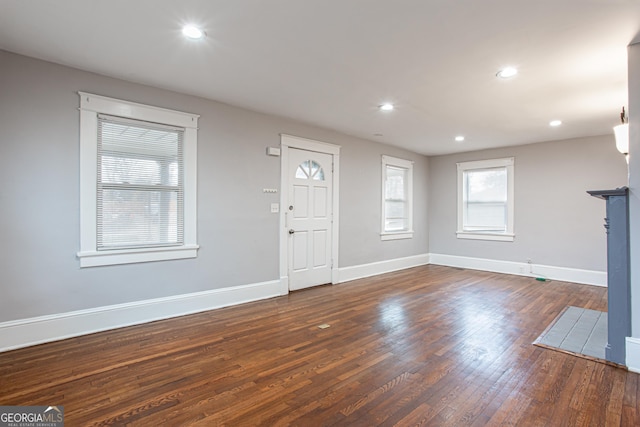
(426, 346)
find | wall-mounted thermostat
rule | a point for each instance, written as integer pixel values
(273, 151)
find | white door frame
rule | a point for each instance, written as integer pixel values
(287, 142)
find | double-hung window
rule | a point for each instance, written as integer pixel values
(397, 198)
(485, 199)
(140, 186)
(137, 183)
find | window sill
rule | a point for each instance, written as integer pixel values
(500, 237)
(130, 256)
(397, 236)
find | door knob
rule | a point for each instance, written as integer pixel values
(291, 231)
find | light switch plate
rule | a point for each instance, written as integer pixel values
(275, 207)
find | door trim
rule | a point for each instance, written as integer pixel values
(290, 141)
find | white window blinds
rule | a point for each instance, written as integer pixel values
(140, 190)
(485, 200)
(396, 210)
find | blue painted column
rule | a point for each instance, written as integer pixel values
(618, 268)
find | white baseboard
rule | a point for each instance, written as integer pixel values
(347, 274)
(38, 330)
(632, 357)
(587, 277)
(26, 332)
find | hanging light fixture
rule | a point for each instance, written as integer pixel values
(621, 133)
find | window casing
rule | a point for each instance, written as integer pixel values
(397, 198)
(486, 199)
(137, 182)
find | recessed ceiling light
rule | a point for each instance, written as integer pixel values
(386, 107)
(507, 72)
(459, 138)
(555, 123)
(192, 32)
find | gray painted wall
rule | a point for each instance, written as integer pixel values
(556, 222)
(238, 236)
(634, 183)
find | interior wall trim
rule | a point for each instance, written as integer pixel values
(565, 274)
(37, 330)
(347, 274)
(632, 357)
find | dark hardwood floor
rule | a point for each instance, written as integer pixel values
(426, 346)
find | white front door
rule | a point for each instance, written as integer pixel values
(309, 218)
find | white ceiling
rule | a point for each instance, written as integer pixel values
(332, 62)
